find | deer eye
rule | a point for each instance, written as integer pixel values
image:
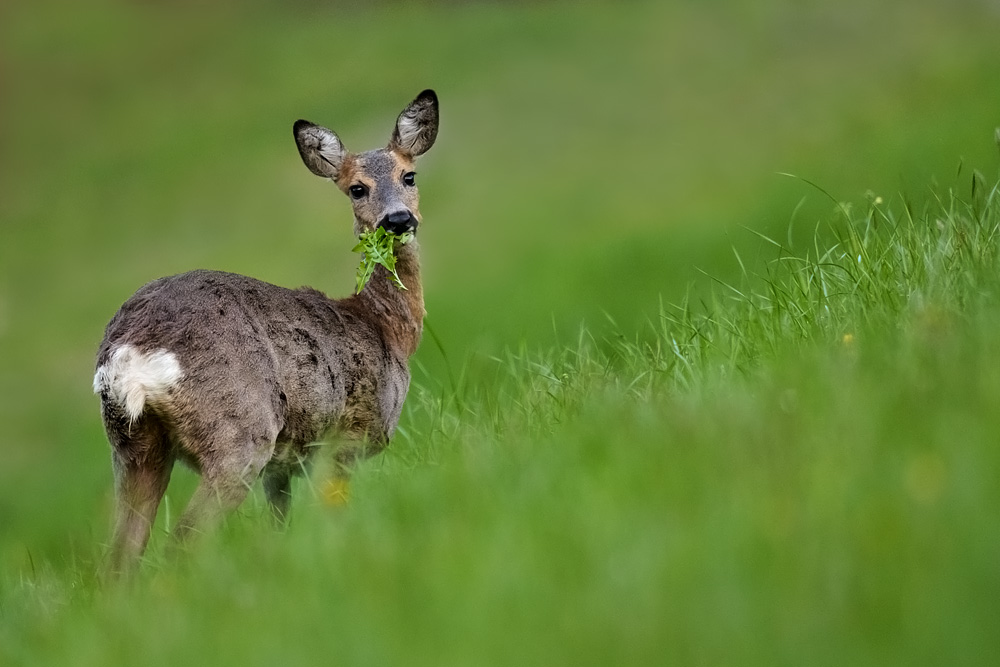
(358, 191)
(410, 178)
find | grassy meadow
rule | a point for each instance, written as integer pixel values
(678, 406)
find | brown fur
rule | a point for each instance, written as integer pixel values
(266, 371)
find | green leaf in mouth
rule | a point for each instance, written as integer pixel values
(379, 247)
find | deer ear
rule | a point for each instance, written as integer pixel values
(320, 149)
(417, 127)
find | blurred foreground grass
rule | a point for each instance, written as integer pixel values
(797, 476)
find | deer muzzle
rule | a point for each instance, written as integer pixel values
(399, 222)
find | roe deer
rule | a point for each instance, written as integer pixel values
(236, 377)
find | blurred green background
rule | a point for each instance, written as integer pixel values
(592, 157)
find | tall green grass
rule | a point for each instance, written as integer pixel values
(801, 468)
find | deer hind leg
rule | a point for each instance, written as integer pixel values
(228, 471)
(142, 460)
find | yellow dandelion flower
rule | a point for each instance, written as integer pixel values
(336, 491)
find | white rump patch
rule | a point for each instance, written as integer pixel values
(133, 378)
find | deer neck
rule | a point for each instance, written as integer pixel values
(399, 313)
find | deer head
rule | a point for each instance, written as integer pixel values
(380, 183)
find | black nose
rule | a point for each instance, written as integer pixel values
(399, 222)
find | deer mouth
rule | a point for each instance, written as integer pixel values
(399, 223)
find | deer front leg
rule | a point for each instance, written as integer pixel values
(278, 490)
(351, 447)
